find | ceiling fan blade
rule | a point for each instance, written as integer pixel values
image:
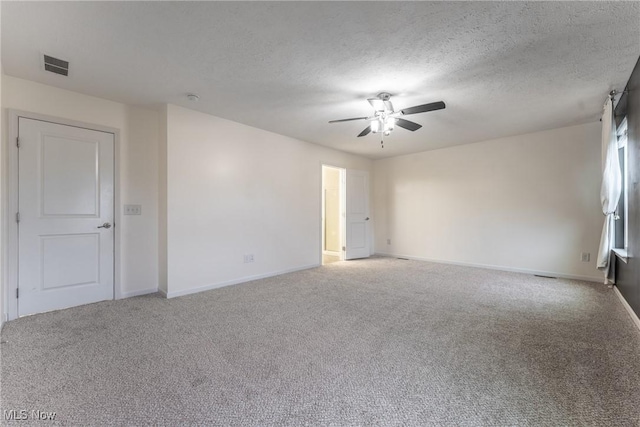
(412, 126)
(376, 103)
(365, 131)
(348, 120)
(424, 108)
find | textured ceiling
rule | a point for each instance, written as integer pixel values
(503, 68)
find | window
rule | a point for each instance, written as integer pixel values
(622, 213)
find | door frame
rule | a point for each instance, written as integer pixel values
(10, 199)
(343, 231)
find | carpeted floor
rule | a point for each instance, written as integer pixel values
(370, 342)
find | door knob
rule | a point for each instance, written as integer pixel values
(105, 225)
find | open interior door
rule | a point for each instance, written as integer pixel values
(357, 213)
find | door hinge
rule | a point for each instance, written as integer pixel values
(17, 216)
(344, 248)
(17, 292)
(18, 142)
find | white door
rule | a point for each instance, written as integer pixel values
(65, 203)
(357, 201)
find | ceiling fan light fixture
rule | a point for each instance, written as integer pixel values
(385, 117)
(389, 124)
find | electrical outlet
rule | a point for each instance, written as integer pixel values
(133, 209)
(388, 241)
(585, 257)
(248, 258)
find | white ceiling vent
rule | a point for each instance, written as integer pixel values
(56, 65)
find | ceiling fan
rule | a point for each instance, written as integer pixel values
(385, 118)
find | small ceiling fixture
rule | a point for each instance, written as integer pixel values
(385, 118)
(193, 97)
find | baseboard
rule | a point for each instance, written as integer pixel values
(634, 316)
(138, 293)
(497, 267)
(235, 281)
(162, 292)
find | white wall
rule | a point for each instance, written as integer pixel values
(527, 203)
(139, 156)
(236, 190)
(138, 163)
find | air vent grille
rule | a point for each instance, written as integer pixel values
(56, 65)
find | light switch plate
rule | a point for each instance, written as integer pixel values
(133, 209)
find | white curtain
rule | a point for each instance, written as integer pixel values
(611, 187)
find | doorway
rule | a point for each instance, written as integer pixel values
(333, 214)
(62, 249)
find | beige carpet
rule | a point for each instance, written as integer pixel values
(328, 259)
(371, 342)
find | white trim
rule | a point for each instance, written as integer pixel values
(623, 254)
(235, 281)
(634, 316)
(11, 257)
(322, 209)
(497, 267)
(138, 293)
(11, 197)
(343, 213)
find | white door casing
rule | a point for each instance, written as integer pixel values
(65, 193)
(357, 212)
